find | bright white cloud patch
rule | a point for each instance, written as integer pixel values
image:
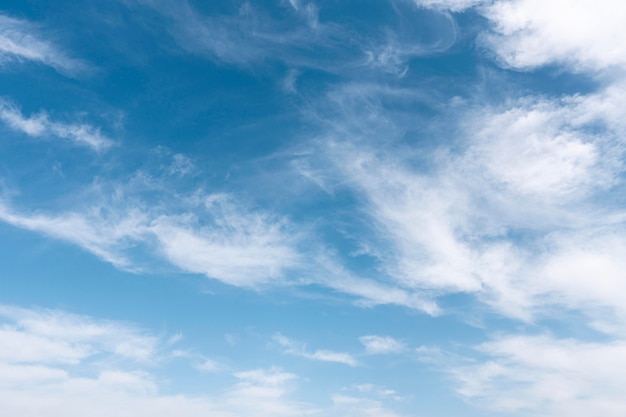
(585, 34)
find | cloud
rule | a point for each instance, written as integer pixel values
(584, 35)
(489, 210)
(299, 349)
(252, 36)
(215, 237)
(451, 5)
(549, 148)
(546, 375)
(21, 40)
(57, 363)
(40, 125)
(527, 34)
(53, 337)
(244, 249)
(381, 344)
(208, 365)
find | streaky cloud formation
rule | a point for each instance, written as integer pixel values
(239, 248)
(40, 125)
(64, 371)
(299, 349)
(20, 41)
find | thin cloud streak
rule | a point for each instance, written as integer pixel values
(299, 349)
(40, 125)
(252, 36)
(242, 249)
(21, 40)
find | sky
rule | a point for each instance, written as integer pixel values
(365, 208)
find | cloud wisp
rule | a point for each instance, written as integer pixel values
(376, 345)
(53, 362)
(253, 36)
(40, 125)
(299, 349)
(21, 40)
(214, 237)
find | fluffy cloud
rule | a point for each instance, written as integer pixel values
(583, 34)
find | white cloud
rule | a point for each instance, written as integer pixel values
(585, 34)
(548, 148)
(80, 365)
(486, 217)
(21, 40)
(542, 375)
(214, 237)
(381, 344)
(244, 249)
(40, 125)
(299, 349)
(452, 5)
(50, 337)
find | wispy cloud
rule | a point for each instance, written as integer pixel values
(54, 337)
(299, 349)
(452, 5)
(358, 406)
(53, 362)
(21, 40)
(381, 344)
(546, 375)
(40, 125)
(253, 35)
(211, 235)
(536, 166)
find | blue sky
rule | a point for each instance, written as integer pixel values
(390, 208)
